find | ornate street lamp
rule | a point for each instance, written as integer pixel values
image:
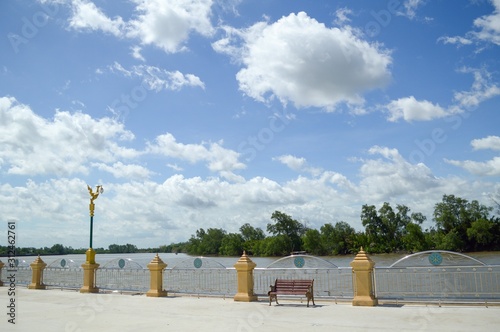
(93, 197)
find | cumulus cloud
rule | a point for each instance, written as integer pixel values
(299, 60)
(490, 142)
(128, 171)
(166, 24)
(218, 159)
(298, 164)
(489, 25)
(64, 145)
(410, 109)
(87, 16)
(486, 168)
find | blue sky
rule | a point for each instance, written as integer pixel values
(213, 114)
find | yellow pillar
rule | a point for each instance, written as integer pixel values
(362, 267)
(89, 271)
(156, 267)
(244, 267)
(37, 274)
(1, 266)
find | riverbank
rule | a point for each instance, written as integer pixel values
(56, 310)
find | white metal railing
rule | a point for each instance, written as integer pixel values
(123, 279)
(439, 283)
(201, 281)
(64, 278)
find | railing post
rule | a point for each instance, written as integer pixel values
(244, 268)
(37, 274)
(1, 266)
(156, 267)
(362, 268)
(89, 273)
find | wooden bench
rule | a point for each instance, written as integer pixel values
(292, 287)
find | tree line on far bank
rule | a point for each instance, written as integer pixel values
(459, 225)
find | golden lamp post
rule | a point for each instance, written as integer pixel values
(93, 196)
(90, 266)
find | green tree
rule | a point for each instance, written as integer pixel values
(289, 228)
(453, 217)
(338, 239)
(251, 237)
(232, 245)
(206, 242)
(312, 242)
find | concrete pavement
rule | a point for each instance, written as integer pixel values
(66, 310)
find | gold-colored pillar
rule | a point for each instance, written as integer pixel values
(37, 274)
(244, 267)
(89, 273)
(1, 266)
(362, 268)
(156, 267)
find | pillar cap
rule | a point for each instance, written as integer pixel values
(245, 261)
(362, 260)
(38, 261)
(156, 261)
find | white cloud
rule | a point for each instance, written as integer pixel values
(136, 53)
(410, 109)
(487, 168)
(410, 8)
(86, 16)
(292, 162)
(393, 176)
(298, 164)
(120, 170)
(487, 29)
(342, 16)
(457, 40)
(299, 60)
(33, 145)
(489, 25)
(218, 159)
(168, 23)
(490, 142)
(482, 89)
(157, 79)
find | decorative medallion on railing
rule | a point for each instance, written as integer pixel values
(197, 263)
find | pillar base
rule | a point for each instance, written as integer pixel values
(155, 293)
(364, 301)
(89, 278)
(36, 286)
(244, 297)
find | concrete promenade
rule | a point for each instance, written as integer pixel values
(67, 310)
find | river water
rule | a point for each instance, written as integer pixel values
(142, 259)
